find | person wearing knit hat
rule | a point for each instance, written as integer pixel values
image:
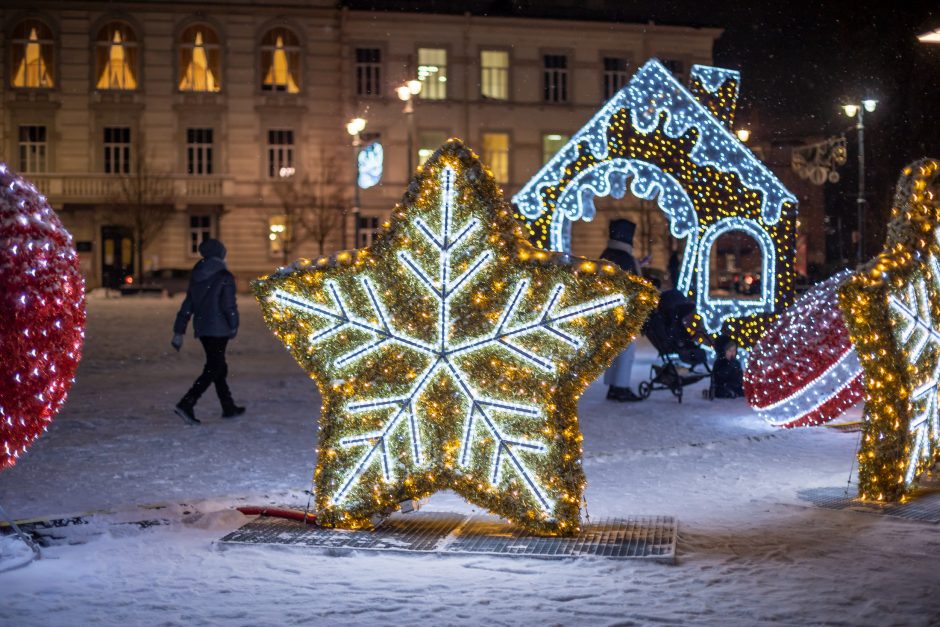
(620, 251)
(210, 302)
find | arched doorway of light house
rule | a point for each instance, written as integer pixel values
(653, 245)
(736, 267)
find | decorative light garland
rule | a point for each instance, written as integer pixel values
(679, 151)
(804, 370)
(42, 315)
(892, 310)
(451, 353)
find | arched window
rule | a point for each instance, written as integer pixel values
(116, 57)
(280, 61)
(736, 263)
(33, 55)
(200, 59)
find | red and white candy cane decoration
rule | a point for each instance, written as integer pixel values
(42, 315)
(804, 371)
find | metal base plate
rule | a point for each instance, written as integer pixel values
(924, 505)
(637, 537)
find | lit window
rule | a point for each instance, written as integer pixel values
(552, 143)
(200, 59)
(615, 75)
(494, 74)
(496, 155)
(432, 72)
(280, 61)
(277, 235)
(199, 151)
(33, 49)
(428, 142)
(32, 149)
(116, 57)
(556, 78)
(117, 150)
(280, 153)
(368, 229)
(200, 229)
(368, 72)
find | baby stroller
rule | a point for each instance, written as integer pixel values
(680, 361)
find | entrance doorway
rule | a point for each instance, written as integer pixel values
(117, 255)
(735, 266)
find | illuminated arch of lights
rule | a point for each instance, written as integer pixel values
(674, 145)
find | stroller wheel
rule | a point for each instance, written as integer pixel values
(644, 389)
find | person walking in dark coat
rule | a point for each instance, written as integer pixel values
(210, 301)
(620, 251)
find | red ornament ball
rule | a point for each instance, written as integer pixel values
(804, 370)
(42, 315)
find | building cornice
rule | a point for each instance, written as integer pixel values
(515, 21)
(252, 7)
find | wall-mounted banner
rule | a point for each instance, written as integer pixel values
(371, 159)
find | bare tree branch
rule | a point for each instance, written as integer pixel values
(313, 205)
(144, 201)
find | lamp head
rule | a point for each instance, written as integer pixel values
(930, 37)
(850, 109)
(414, 87)
(869, 104)
(404, 94)
(743, 134)
(355, 126)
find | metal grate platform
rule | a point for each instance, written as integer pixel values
(924, 505)
(639, 537)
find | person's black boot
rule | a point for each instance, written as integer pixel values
(186, 411)
(622, 395)
(233, 411)
(629, 397)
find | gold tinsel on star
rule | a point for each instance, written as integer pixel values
(439, 373)
(897, 445)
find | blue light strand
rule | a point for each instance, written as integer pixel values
(712, 78)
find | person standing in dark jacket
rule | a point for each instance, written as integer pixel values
(620, 251)
(727, 375)
(210, 301)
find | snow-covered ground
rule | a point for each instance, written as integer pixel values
(751, 550)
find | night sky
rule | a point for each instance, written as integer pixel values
(799, 62)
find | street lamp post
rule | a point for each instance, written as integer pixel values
(857, 111)
(354, 127)
(406, 93)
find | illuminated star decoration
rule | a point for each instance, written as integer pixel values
(451, 353)
(892, 310)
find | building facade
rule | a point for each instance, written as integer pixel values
(151, 125)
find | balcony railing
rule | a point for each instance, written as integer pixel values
(111, 187)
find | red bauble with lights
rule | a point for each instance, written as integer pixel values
(42, 315)
(804, 371)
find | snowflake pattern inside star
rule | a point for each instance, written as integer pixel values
(915, 328)
(451, 355)
(891, 306)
